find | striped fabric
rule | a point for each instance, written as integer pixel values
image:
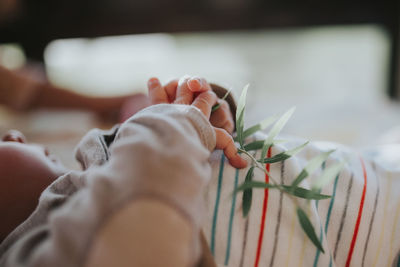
(358, 226)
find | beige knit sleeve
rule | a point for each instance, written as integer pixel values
(162, 154)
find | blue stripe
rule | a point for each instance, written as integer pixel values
(328, 216)
(228, 247)
(318, 252)
(214, 223)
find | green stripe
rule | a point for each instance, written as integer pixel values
(328, 216)
(320, 230)
(214, 223)
(228, 247)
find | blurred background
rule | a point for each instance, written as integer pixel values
(336, 60)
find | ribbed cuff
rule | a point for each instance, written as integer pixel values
(201, 124)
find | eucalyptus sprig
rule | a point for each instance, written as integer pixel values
(218, 105)
(293, 190)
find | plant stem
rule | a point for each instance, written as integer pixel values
(258, 165)
(274, 181)
(217, 106)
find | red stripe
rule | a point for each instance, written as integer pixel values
(360, 210)
(264, 214)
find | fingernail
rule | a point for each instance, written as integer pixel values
(152, 82)
(197, 79)
(195, 84)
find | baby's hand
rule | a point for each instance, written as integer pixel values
(197, 92)
(220, 118)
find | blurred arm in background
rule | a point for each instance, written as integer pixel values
(22, 93)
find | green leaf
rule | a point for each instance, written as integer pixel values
(278, 126)
(304, 193)
(256, 145)
(312, 165)
(328, 175)
(259, 126)
(240, 116)
(279, 141)
(284, 155)
(265, 149)
(248, 193)
(254, 184)
(308, 229)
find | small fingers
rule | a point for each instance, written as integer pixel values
(225, 142)
(157, 93)
(205, 101)
(197, 84)
(222, 117)
(183, 94)
(171, 88)
(187, 87)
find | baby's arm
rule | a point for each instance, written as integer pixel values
(196, 91)
(159, 165)
(22, 93)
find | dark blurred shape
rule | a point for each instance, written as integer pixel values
(9, 10)
(37, 22)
